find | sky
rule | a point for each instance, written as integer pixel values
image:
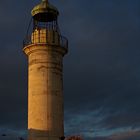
(101, 70)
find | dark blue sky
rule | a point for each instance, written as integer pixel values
(101, 71)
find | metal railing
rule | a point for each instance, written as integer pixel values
(45, 38)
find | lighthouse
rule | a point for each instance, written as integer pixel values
(45, 48)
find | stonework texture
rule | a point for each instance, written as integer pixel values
(45, 91)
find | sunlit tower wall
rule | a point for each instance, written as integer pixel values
(45, 49)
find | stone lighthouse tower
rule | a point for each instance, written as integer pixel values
(45, 49)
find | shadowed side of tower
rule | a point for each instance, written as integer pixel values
(45, 48)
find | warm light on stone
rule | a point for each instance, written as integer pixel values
(45, 50)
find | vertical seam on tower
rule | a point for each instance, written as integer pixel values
(48, 112)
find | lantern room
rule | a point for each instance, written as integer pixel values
(43, 27)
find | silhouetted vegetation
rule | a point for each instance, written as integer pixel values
(74, 138)
(20, 138)
(3, 135)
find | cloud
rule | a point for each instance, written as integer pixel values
(101, 71)
(135, 135)
(127, 135)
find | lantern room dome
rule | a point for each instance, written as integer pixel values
(44, 12)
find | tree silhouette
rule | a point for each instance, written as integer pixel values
(20, 138)
(3, 135)
(74, 138)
